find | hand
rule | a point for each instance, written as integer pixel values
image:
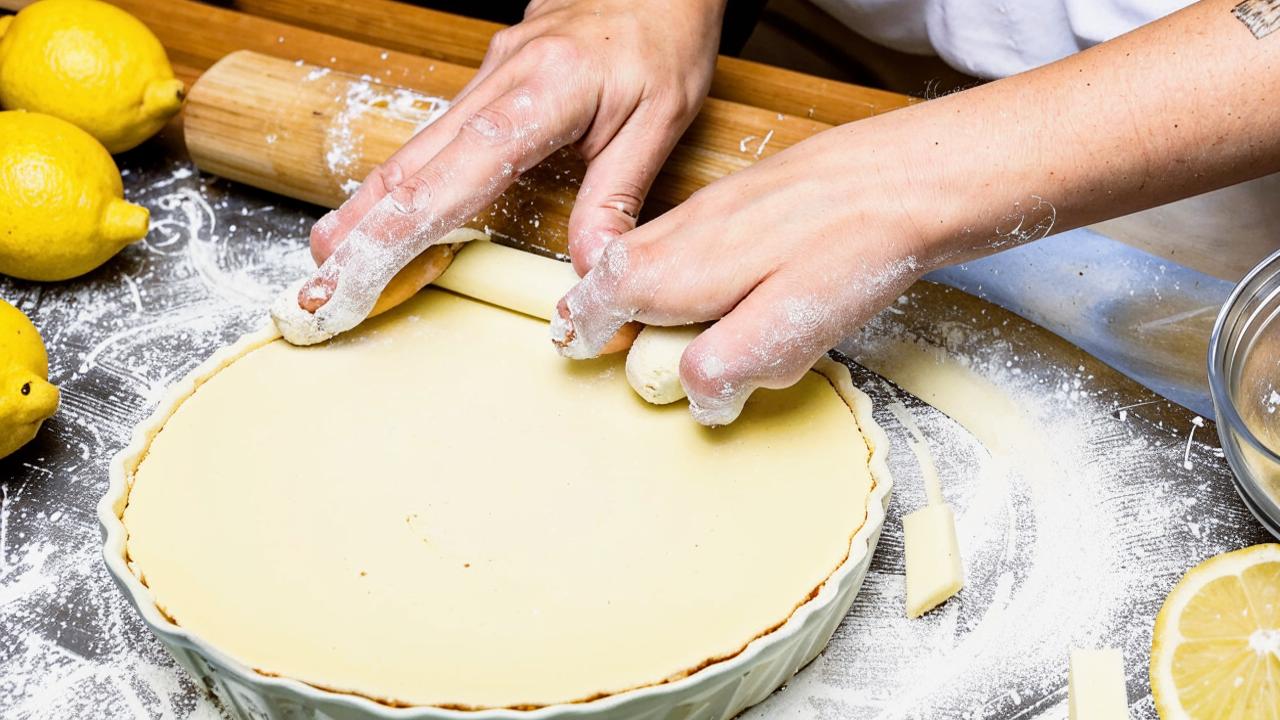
(795, 253)
(619, 80)
(790, 256)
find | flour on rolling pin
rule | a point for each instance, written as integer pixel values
(343, 139)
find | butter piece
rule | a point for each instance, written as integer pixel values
(934, 570)
(1095, 688)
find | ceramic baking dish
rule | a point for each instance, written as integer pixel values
(717, 692)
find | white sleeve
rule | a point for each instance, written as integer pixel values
(1094, 22)
(897, 24)
(996, 38)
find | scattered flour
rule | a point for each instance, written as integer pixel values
(745, 144)
(1076, 514)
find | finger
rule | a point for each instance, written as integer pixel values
(616, 183)
(332, 229)
(623, 339)
(769, 340)
(419, 273)
(489, 152)
(656, 277)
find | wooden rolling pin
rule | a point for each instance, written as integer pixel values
(464, 41)
(197, 34)
(306, 132)
(300, 130)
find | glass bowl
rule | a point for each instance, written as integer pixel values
(1244, 380)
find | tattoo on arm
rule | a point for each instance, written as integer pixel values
(1262, 17)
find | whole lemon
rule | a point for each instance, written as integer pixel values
(62, 208)
(91, 64)
(26, 397)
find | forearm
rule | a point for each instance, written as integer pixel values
(794, 253)
(1182, 106)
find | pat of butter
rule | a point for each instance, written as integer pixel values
(1095, 685)
(934, 570)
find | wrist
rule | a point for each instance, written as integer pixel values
(951, 183)
(893, 190)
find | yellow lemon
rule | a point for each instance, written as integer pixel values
(91, 64)
(26, 397)
(62, 208)
(1215, 652)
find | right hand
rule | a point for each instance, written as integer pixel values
(618, 81)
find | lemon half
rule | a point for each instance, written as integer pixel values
(1215, 652)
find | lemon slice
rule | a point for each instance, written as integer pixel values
(1215, 652)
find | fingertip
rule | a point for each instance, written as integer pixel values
(315, 292)
(324, 236)
(716, 411)
(714, 398)
(562, 333)
(585, 320)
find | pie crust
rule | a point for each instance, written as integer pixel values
(435, 509)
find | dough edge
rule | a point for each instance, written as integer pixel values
(131, 579)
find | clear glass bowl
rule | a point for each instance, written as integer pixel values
(1244, 380)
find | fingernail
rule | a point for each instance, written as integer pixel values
(297, 325)
(327, 224)
(314, 293)
(724, 405)
(715, 411)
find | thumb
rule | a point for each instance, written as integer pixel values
(615, 185)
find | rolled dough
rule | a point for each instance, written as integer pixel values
(436, 509)
(653, 363)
